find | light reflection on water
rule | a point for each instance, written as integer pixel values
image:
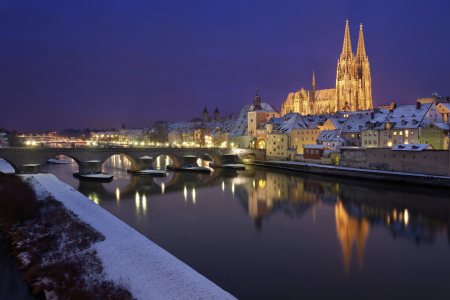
(264, 234)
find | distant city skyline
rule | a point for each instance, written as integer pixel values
(103, 64)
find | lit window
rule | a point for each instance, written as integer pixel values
(401, 133)
(406, 133)
(395, 132)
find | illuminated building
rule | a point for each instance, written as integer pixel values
(353, 89)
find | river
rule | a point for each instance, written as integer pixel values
(269, 234)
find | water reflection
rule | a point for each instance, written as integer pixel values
(306, 228)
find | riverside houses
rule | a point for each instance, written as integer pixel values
(435, 134)
(332, 139)
(351, 129)
(405, 122)
(293, 131)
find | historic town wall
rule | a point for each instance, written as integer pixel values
(431, 162)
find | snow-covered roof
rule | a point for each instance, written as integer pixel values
(293, 121)
(412, 147)
(330, 136)
(408, 116)
(145, 157)
(444, 126)
(356, 123)
(316, 147)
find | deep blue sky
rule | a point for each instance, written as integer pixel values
(101, 63)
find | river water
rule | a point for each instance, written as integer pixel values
(268, 234)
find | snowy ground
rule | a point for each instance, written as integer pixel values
(128, 257)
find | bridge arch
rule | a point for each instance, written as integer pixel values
(133, 162)
(176, 161)
(14, 166)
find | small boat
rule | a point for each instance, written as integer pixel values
(56, 161)
(95, 176)
(190, 168)
(228, 166)
(152, 172)
(234, 166)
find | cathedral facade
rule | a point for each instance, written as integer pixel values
(353, 85)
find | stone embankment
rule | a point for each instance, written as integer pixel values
(128, 257)
(413, 178)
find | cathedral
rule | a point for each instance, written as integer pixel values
(353, 85)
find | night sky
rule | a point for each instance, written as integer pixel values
(81, 64)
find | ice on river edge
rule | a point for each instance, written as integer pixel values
(149, 271)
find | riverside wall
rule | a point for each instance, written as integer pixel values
(431, 162)
(423, 179)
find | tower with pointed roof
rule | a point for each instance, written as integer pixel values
(205, 116)
(217, 115)
(313, 83)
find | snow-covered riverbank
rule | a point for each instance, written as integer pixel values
(128, 257)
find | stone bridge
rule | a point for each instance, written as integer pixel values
(26, 160)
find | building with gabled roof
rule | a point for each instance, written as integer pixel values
(293, 131)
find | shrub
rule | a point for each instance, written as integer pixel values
(18, 200)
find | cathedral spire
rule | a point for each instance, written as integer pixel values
(313, 83)
(347, 48)
(361, 52)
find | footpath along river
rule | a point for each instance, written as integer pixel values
(269, 234)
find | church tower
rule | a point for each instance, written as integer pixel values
(313, 83)
(346, 83)
(205, 116)
(363, 74)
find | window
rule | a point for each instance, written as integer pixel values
(437, 142)
(431, 126)
(426, 133)
(426, 142)
(278, 139)
(365, 142)
(282, 147)
(303, 138)
(370, 142)
(374, 142)
(385, 142)
(437, 133)
(282, 139)
(317, 151)
(406, 133)
(401, 133)
(251, 120)
(306, 138)
(395, 132)
(365, 133)
(307, 151)
(353, 135)
(385, 133)
(278, 147)
(375, 133)
(296, 139)
(412, 132)
(307, 132)
(390, 134)
(395, 141)
(274, 143)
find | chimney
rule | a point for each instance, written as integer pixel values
(418, 105)
(371, 115)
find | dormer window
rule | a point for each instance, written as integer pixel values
(414, 122)
(403, 122)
